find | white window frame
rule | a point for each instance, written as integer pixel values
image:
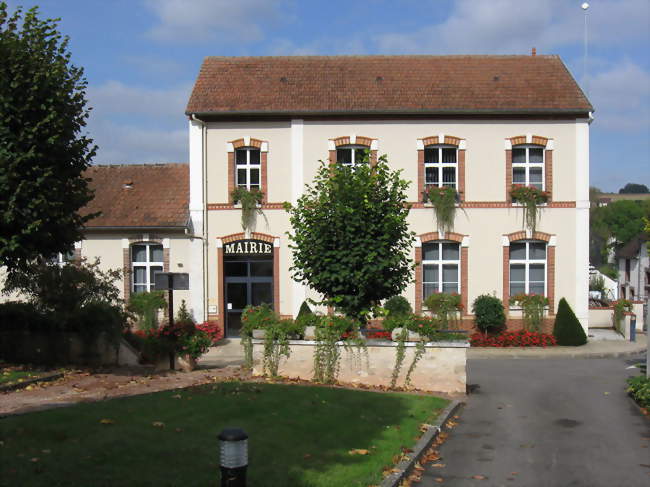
(527, 262)
(440, 263)
(248, 167)
(441, 165)
(353, 148)
(527, 165)
(147, 265)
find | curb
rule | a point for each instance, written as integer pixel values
(22, 385)
(577, 354)
(423, 444)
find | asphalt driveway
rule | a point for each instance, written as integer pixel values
(547, 422)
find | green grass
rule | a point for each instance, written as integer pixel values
(8, 376)
(298, 436)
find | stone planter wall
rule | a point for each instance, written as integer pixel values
(441, 369)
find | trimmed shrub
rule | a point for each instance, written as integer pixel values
(20, 316)
(567, 329)
(304, 310)
(398, 306)
(489, 314)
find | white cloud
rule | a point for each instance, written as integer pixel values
(115, 97)
(514, 26)
(212, 20)
(138, 125)
(127, 144)
(621, 97)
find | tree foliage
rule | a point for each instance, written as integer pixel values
(634, 188)
(623, 219)
(42, 151)
(63, 290)
(350, 237)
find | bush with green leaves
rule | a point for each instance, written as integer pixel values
(639, 388)
(76, 297)
(397, 306)
(351, 240)
(489, 314)
(22, 316)
(568, 330)
(145, 306)
(445, 307)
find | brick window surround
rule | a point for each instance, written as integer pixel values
(529, 139)
(550, 265)
(368, 142)
(127, 268)
(460, 160)
(248, 143)
(221, 295)
(432, 237)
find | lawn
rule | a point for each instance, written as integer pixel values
(10, 375)
(298, 436)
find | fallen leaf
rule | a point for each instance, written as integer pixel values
(440, 480)
(35, 459)
(479, 477)
(158, 424)
(306, 455)
(106, 421)
(438, 465)
(607, 393)
(358, 451)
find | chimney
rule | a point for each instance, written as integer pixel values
(534, 52)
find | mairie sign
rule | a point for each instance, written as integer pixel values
(248, 247)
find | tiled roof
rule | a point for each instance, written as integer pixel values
(139, 195)
(385, 84)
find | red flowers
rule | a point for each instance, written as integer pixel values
(212, 328)
(520, 338)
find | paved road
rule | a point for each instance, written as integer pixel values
(547, 422)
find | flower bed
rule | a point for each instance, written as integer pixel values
(520, 338)
(212, 329)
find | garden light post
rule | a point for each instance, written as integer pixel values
(233, 448)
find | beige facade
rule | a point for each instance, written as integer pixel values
(484, 219)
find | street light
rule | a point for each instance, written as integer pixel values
(233, 447)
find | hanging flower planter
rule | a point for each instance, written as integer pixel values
(530, 198)
(444, 201)
(250, 201)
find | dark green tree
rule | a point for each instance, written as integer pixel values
(43, 153)
(634, 188)
(567, 329)
(350, 239)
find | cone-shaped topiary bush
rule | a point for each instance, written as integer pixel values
(304, 310)
(567, 329)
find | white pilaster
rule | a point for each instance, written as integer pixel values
(197, 248)
(582, 223)
(298, 290)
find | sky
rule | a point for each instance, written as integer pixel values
(141, 58)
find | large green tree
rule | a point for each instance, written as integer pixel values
(351, 240)
(43, 152)
(634, 188)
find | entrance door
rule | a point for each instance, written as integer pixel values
(247, 282)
